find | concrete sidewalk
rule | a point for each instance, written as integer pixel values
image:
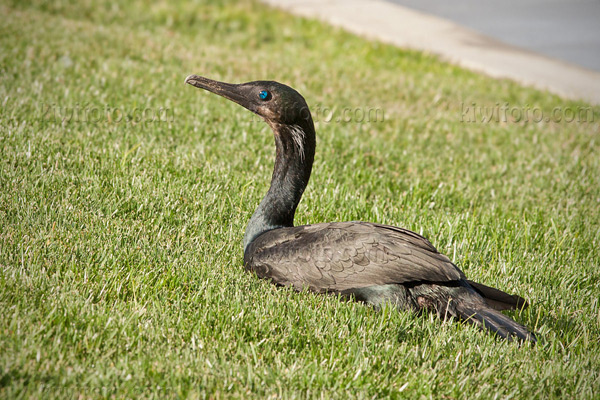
(405, 27)
(567, 30)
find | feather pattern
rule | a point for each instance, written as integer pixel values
(336, 257)
(297, 134)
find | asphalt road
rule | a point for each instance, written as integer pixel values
(568, 30)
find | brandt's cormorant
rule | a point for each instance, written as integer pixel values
(366, 261)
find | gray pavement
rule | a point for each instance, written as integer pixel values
(565, 29)
(406, 27)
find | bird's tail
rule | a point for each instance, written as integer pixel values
(489, 319)
(463, 301)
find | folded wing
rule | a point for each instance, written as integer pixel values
(335, 257)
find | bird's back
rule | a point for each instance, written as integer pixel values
(336, 257)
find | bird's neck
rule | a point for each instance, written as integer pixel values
(295, 145)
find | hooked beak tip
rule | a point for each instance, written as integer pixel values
(191, 79)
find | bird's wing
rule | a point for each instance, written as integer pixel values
(346, 255)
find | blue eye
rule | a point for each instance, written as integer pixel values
(264, 95)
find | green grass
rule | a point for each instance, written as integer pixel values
(120, 242)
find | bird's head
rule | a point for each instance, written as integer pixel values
(274, 102)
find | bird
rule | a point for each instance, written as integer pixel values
(368, 262)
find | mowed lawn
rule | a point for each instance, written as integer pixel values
(125, 193)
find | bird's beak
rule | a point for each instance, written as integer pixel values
(230, 91)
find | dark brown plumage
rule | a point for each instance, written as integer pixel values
(369, 262)
(341, 256)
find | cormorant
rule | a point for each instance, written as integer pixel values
(369, 262)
